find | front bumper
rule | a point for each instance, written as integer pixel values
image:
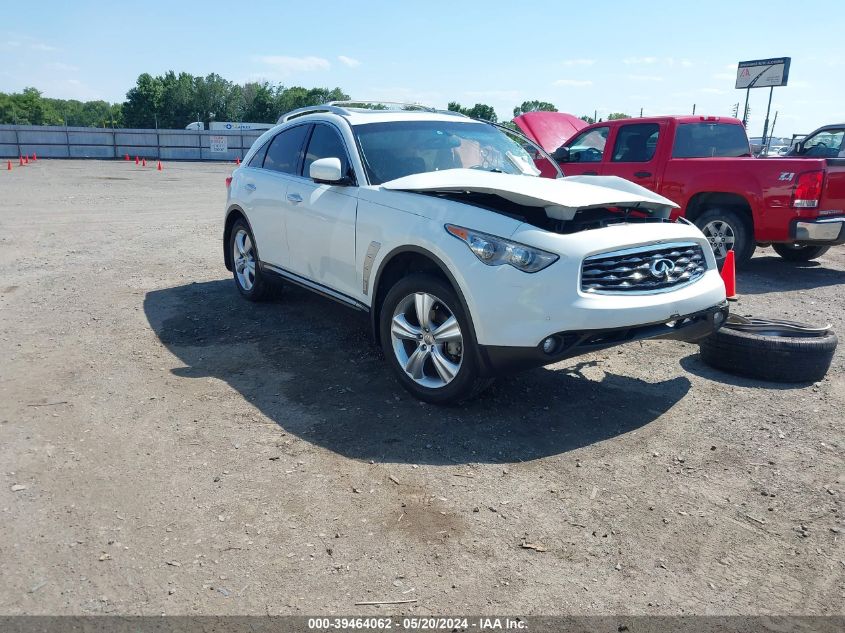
(821, 231)
(497, 359)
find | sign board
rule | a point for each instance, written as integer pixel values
(763, 73)
(217, 144)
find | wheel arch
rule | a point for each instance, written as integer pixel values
(704, 200)
(232, 215)
(400, 262)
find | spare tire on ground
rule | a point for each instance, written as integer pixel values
(770, 349)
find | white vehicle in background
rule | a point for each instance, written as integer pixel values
(468, 263)
(229, 125)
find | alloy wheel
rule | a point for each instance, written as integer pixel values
(721, 236)
(243, 256)
(427, 340)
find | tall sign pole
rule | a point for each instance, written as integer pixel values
(745, 111)
(768, 110)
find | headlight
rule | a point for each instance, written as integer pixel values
(495, 251)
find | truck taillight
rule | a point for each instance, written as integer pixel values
(228, 181)
(808, 190)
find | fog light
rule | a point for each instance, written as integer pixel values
(718, 318)
(549, 344)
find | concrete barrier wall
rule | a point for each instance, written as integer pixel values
(82, 142)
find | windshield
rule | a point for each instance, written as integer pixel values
(710, 140)
(401, 148)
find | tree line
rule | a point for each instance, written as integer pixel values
(173, 100)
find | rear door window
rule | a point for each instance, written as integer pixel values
(710, 140)
(636, 143)
(285, 150)
(588, 147)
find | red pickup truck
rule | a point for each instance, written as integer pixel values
(704, 164)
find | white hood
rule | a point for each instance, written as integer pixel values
(560, 198)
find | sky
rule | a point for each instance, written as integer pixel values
(613, 56)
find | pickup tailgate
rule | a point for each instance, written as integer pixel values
(833, 194)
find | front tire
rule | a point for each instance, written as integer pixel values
(249, 280)
(726, 229)
(799, 253)
(428, 341)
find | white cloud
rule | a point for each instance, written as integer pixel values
(63, 67)
(41, 46)
(578, 62)
(287, 65)
(639, 61)
(644, 78)
(348, 61)
(493, 94)
(573, 82)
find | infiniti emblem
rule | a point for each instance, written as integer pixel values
(661, 268)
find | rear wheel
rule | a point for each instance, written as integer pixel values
(428, 340)
(798, 252)
(726, 229)
(249, 280)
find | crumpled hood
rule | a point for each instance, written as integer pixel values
(560, 198)
(550, 130)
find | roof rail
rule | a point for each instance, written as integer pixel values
(342, 108)
(368, 104)
(328, 107)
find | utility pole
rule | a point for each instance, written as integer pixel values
(774, 122)
(693, 109)
(641, 113)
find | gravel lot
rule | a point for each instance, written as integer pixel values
(167, 447)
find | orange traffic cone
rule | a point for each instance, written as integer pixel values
(33, 157)
(238, 160)
(20, 161)
(9, 166)
(729, 276)
(143, 162)
(127, 157)
(25, 159)
(159, 166)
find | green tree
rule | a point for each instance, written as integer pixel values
(143, 102)
(478, 111)
(588, 119)
(533, 106)
(617, 115)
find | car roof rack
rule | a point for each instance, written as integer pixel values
(345, 108)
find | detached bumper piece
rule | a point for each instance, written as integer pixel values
(691, 327)
(824, 231)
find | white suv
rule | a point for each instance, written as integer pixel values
(468, 263)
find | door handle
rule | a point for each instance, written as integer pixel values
(249, 186)
(642, 174)
(591, 173)
(295, 198)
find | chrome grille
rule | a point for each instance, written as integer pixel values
(656, 268)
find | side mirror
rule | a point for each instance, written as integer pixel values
(798, 148)
(561, 154)
(326, 171)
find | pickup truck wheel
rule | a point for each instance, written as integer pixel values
(778, 351)
(249, 280)
(799, 253)
(725, 230)
(428, 340)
